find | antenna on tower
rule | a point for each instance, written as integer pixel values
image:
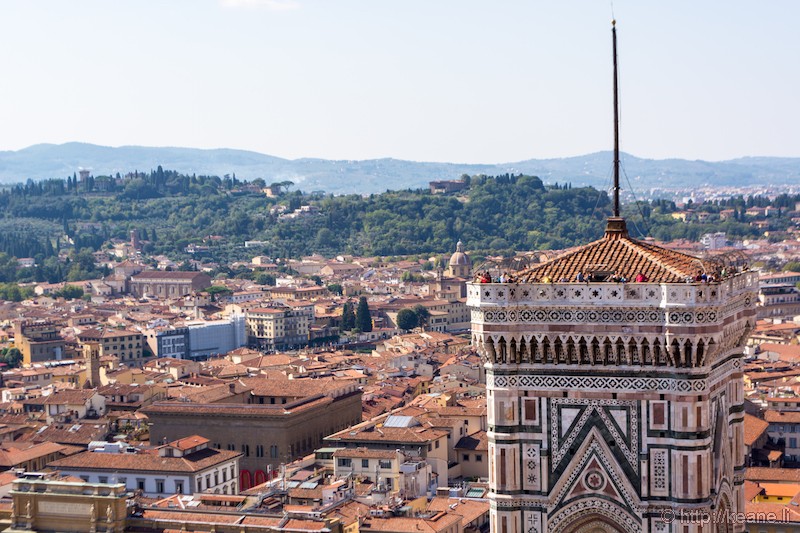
(616, 227)
(616, 120)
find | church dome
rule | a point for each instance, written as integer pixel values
(459, 258)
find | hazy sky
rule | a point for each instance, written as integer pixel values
(430, 80)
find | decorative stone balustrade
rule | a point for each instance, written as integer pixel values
(610, 294)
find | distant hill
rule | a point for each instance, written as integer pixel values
(377, 175)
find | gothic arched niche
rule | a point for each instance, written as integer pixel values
(595, 524)
(594, 515)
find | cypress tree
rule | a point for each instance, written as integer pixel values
(348, 318)
(363, 320)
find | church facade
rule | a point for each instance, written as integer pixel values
(614, 389)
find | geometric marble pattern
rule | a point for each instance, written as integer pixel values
(628, 384)
(572, 414)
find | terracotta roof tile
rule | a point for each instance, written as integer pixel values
(140, 462)
(478, 441)
(754, 427)
(770, 513)
(786, 475)
(751, 490)
(617, 252)
(782, 417)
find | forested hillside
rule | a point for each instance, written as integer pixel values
(172, 211)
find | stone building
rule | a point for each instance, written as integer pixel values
(281, 421)
(160, 284)
(278, 328)
(126, 345)
(612, 403)
(38, 341)
(39, 504)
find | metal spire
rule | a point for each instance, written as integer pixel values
(616, 121)
(616, 227)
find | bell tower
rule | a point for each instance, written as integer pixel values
(615, 399)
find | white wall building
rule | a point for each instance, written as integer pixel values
(184, 466)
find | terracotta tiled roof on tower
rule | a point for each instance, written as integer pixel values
(618, 253)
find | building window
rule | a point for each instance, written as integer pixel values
(792, 443)
(345, 462)
(160, 486)
(199, 484)
(273, 451)
(140, 483)
(246, 450)
(386, 465)
(231, 447)
(364, 463)
(179, 487)
(260, 450)
(103, 479)
(478, 458)
(465, 457)
(437, 444)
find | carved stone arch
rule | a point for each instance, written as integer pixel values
(594, 350)
(701, 352)
(524, 351)
(502, 350)
(536, 350)
(559, 350)
(675, 353)
(712, 348)
(572, 351)
(606, 352)
(658, 355)
(646, 352)
(594, 515)
(723, 507)
(583, 350)
(688, 353)
(619, 351)
(634, 353)
(491, 350)
(512, 351)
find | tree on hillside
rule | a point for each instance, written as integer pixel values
(406, 319)
(363, 320)
(11, 356)
(336, 288)
(348, 317)
(423, 314)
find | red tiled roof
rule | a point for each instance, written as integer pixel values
(754, 427)
(751, 490)
(785, 417)
(143, 462)
(189, 442)
(478, 441)
(775, 513)
(759, 473)
(617, 252)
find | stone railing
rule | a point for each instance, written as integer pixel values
(610, 293)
